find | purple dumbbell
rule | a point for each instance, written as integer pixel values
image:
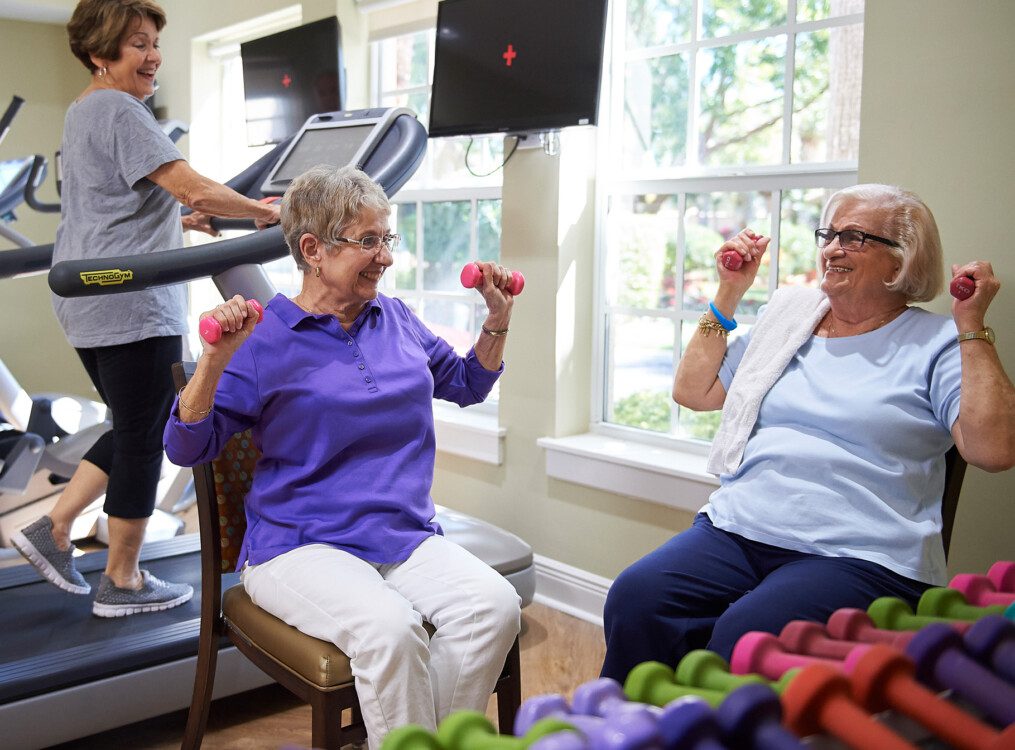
(556, 706)
(992, 641)
(1002, 573)
(604, 697)
(942, 662)
(690, 724)
(751, 718)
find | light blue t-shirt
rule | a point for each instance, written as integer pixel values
(846, 457)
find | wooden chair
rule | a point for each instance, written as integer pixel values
(955, 471)
(316, 671)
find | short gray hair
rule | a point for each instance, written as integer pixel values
(910, 223)
(324, 201)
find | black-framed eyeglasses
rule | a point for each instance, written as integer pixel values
(372, 243)
(849, 239)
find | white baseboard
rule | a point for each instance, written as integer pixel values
(571, 590)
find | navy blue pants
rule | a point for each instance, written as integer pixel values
(136, 382)
(706, 587)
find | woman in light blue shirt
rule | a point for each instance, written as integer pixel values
(838, 408)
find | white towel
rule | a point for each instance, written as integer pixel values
(789, 320)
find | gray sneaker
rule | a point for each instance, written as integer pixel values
(37, 544)
(153, 596)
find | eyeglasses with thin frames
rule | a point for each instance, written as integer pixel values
(851, 240)
(372, 243)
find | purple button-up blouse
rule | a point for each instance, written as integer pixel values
(344, 423)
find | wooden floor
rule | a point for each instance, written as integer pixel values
(558, 653)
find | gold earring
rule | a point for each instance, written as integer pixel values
(317, 271)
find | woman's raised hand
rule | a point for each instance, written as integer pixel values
(228, 325)
(970, 311)
(496, 285)
(738, 258)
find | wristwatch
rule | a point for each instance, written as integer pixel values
(987, 334)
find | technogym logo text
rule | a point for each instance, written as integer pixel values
(106, 278)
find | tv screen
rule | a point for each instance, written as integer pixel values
(516, 65)
(289, 76)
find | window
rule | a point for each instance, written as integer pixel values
(449, 213)
(725, 114)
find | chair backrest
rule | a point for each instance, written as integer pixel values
(221, 488)
(955, 471)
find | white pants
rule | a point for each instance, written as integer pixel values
(375, 614)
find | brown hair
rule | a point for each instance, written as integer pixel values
(97, 26)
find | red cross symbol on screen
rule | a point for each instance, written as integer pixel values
(510, 55)
(286, 80)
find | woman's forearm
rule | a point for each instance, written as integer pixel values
(987, 415)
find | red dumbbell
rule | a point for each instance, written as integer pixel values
(980, 591)
(732, 260)
(812, 639)
(211, 330)
(819, 700)
(761, 653)
(883, 679)
(1002, 573)
(962, 287)
(472, 277)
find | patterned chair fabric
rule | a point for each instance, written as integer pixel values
(234, 473)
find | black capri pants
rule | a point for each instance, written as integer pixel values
(136, 383)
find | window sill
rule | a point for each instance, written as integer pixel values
(466, 433)
(666, 476)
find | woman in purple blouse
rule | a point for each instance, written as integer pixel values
(336, 386)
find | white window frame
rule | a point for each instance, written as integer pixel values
(666, 469)
(475, 432)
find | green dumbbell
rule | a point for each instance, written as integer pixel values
(890, 613)
(471, 730)
(653, 683)
(702, 668)
(410, 737)
(950, 603)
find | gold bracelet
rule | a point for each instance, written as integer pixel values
(502, 332)
(706, 327)
(191, 409)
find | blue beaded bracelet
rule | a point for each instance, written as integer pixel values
(728, 323)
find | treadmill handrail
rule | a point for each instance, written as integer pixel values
(8, 116)
(130, 273)
(24, 261)
(35, 178)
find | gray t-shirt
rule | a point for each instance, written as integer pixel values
(111, 142)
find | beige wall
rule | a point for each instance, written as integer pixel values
(936, 104)
(36, 64)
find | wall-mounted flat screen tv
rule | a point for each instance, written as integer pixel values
(516, 66)
(289, 76)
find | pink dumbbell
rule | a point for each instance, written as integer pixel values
(761, 653)
(812, 639)
(472, 277)
(732, 260)
(980, 591)
(1002, 573)
(962, 287)
(211, 330)
(849, 624)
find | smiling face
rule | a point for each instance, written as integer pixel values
(140, 58)
(350, 273)
(860, 275)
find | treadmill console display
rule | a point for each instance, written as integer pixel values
(335, 146)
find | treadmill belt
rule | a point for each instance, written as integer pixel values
(51, 640)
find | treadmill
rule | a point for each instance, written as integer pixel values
(65, 674)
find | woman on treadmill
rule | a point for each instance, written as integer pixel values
(123, 184)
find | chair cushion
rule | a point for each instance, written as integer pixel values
(320, 663)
